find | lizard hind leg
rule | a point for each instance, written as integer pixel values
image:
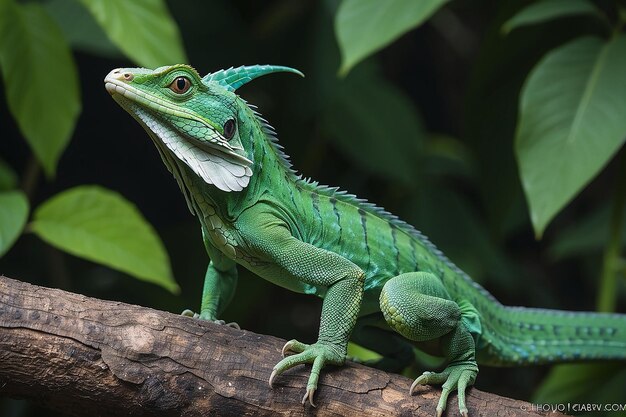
(417, 306)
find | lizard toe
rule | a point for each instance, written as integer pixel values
(455, 377)
(318, 355)
(293, 347)
(188, 313)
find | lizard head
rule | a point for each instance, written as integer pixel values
(197, 120)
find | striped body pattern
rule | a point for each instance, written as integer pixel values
(385, 246)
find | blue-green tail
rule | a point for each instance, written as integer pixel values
(518, 336)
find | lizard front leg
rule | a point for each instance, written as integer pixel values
(339, 311)
(272, 241)
(220, 282)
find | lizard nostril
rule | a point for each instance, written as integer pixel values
(128, 76)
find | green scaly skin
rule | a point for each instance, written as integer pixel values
(383, 283)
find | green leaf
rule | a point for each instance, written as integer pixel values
(13, 215)
(100, 225)
(80, 28)
(571, 122)
(8, 179)
(142, 29)
(544, 11)
(363, 27)
(40, 79)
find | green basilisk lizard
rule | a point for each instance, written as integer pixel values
(383, 283)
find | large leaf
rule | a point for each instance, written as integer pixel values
(13, 215)
(571, 122)
(142, 29)
(40, 79)
(544, 11)
(363, 27)
(100, 225)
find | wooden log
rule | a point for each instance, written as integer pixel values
(90, 357)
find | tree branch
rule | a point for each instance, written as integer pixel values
(86, 356)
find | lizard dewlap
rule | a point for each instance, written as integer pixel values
(377, 274)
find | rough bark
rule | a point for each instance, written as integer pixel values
(86, 356)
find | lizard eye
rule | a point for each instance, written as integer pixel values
(180, 85)
(229, 129)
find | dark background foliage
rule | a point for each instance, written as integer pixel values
(424, 128)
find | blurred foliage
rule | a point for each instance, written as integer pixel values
(41, 87)
(543, 11)
(449, 114)
(13, 214)
(33, 52)
(576, 384)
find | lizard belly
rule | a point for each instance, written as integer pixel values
(225, 241)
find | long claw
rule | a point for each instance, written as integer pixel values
(420, 380)
(234, 325)
(439, 412)
(272, 376)
(293, 347)
(464, 413)
(308, 395)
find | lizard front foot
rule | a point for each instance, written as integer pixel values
(319, 354)
(455, 377)
(189, 313)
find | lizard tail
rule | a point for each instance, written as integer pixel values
(517, 336)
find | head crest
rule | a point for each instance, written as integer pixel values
(233, 78)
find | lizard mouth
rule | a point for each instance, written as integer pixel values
(213, 159)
